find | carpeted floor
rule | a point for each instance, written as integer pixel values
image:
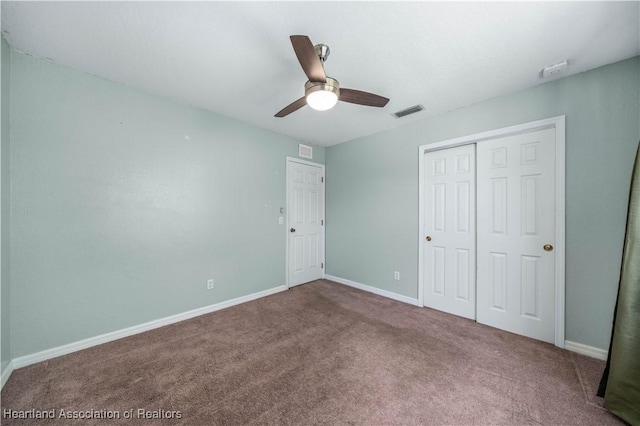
(318, 353)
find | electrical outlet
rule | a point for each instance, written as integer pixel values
(396, 275)
(210, 284)
(281, 220)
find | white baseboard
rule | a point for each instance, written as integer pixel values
(590, 351)
(6, 374)
(374, 290)
(23, 361)
(579, 348)
(26, 360)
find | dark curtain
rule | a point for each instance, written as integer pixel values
(620, 384)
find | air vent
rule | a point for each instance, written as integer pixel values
(305, 151)
(408, 111)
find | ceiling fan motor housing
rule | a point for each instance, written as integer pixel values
(322, 96)
(331, 85)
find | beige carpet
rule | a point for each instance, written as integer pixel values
(320, 353)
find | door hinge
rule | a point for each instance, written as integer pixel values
(322, 265)
(322, 179)
(322, 222)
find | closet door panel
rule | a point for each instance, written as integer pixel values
(516, 220)
(449, 240)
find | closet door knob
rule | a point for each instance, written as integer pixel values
(547, 247)
(292, 230)
(428, 238)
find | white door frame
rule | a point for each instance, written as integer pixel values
(286, 215)
(557, 123)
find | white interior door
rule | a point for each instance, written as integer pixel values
(516, 233)
(305, 183)
(450, 228)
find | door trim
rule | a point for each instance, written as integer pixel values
(557, 123)
(290, 160)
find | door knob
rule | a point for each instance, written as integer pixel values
(428, 238)
(293, 230)
(548, 247)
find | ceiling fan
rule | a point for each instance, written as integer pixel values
(322, 92)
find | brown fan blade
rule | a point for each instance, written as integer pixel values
(311, 63)
(362, 98)
(292, 107)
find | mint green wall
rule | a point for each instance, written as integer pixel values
(124, 204)
(5, 289)
(372, 189)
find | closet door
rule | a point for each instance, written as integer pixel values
(516, 232)
(450, 228)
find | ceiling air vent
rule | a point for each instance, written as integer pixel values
(407, 111)
(305, 151)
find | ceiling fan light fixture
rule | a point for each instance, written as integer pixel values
(322, 96)
(322, 100)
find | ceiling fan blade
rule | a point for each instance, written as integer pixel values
(311, 63)
(292, 107)
(362, 98)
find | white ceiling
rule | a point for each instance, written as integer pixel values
(235, 58)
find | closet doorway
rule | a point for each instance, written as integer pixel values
(492, 228)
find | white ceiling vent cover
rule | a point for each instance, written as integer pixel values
(407, 111)
(305, 151)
